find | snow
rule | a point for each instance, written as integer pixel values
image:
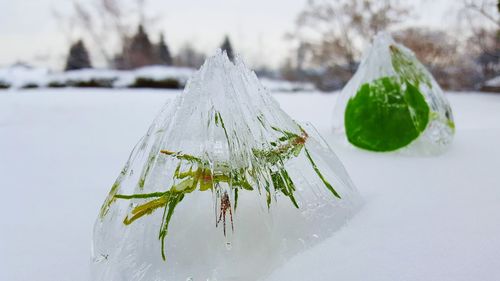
(19, 76)
(493, 82)
(155, 72)
(286, 86)
(85, 75)
(433, 218)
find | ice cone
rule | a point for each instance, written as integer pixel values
(393, 103)
(224, 186)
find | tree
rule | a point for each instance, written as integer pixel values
(434, 48)
(163, 53)
(140, 51)
(484, 44)
(483, 18)
(78, 57)
(226, 46)
(441, 54)
(336, 31)
(105, 24)
(189, 57)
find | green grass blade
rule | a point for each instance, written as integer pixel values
(320, 175)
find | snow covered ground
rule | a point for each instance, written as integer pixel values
(423, 219)
(22, 76)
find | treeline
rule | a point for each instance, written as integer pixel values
(138, 51)
(325, 46)
(330, 36)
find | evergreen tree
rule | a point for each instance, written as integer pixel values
(226, 46)
(78, 57)
(163, 53)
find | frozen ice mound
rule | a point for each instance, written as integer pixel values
(223, 186)
(393, 103)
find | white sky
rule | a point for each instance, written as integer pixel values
(29, 33)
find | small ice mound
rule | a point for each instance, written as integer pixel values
(223, 186)
(393, 103)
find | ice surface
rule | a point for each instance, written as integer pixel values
(224, 186)
(393, 103)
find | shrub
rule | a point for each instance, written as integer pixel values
(4, 85)
(168, 83)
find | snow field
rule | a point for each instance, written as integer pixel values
(423, 219)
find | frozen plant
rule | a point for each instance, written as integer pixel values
(224, 186)
(393, 103)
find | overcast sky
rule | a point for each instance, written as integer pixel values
(29, 33)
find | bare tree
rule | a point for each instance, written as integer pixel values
(488, 9)
(188, 56)
(483, 19)
(331, 34)
(434, 48)
(336, 31)
(442, 54)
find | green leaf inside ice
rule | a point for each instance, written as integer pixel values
(385, 116)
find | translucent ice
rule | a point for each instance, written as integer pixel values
(393, 103)
(224, 186)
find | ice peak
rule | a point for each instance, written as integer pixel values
(219, 79)
(224, 144)
(383, 37)
(219, 58)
